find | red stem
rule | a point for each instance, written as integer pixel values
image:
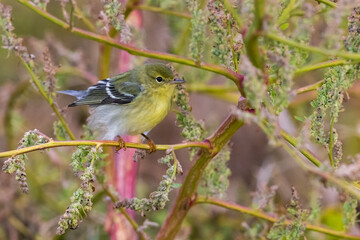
(187, 193)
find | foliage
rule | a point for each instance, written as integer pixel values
(198, 22)
(112, 17)
(192, 130)
(215, 179)
(81, 203)
(296, 229)
(350, 213)
(266, 50)
(157, 200)
(17, 163)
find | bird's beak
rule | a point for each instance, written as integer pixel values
(178, 81)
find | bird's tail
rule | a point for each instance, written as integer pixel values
(75, 93)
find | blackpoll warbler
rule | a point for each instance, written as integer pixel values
(130, 103)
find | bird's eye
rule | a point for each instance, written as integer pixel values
(159, 79)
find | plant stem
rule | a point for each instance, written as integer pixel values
(19, 226)
(309, 88)
(328, 3)
(233, 13)
(14, 97)
(129, 7)
(204, 88)
(264, 216)
(321, 51)
(71, 15)
(54, 144)
(331, 143)
(237, 78)
(230, 94)
(162, 10)
(48, 99)
(233, 53)
(188, 190)
(180, 44)
(320, 65)
(175, 171)
(83, 18)
(251, 39)
(293, 141)
(346, 186)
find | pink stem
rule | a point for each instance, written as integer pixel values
(124, 169)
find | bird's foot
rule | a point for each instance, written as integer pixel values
(152, 146)
(121, 144)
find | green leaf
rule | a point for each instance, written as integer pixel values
(284, 26)
(176, 185)
(301, 119)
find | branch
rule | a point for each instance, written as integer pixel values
(345, 185)
(293, 142)
(264, 216)
(320, 65)
(48, 99)
(309, 88)
(321, 51)
(231, 94)
(251, 39)
(188, 190)
(83, 18)
(237, 78)
(331, 143)
(54, 144)
(14, 96)
(162, 10)
(328, 3)
(233, 13)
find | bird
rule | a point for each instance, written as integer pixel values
(130, 103)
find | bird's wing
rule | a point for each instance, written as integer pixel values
(116, 90)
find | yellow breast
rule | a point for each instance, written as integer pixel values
(151, 109)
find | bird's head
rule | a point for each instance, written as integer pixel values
(160, 76)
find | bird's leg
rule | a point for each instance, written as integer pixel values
(121, 144)
(150, 142)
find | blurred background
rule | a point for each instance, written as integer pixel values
(255, 165)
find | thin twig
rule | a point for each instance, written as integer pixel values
(251, 39)
(233, 13)
(309, 88)
(346, 186)
(293, 141)
(71, 18)
(14, 97)
(328, 3)
(162, 11)
(233, 52)
(318, 50)
(331, 143)
(54, 144)
(320, 65)
(264, 216)
(48, 99)
(83, 18)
